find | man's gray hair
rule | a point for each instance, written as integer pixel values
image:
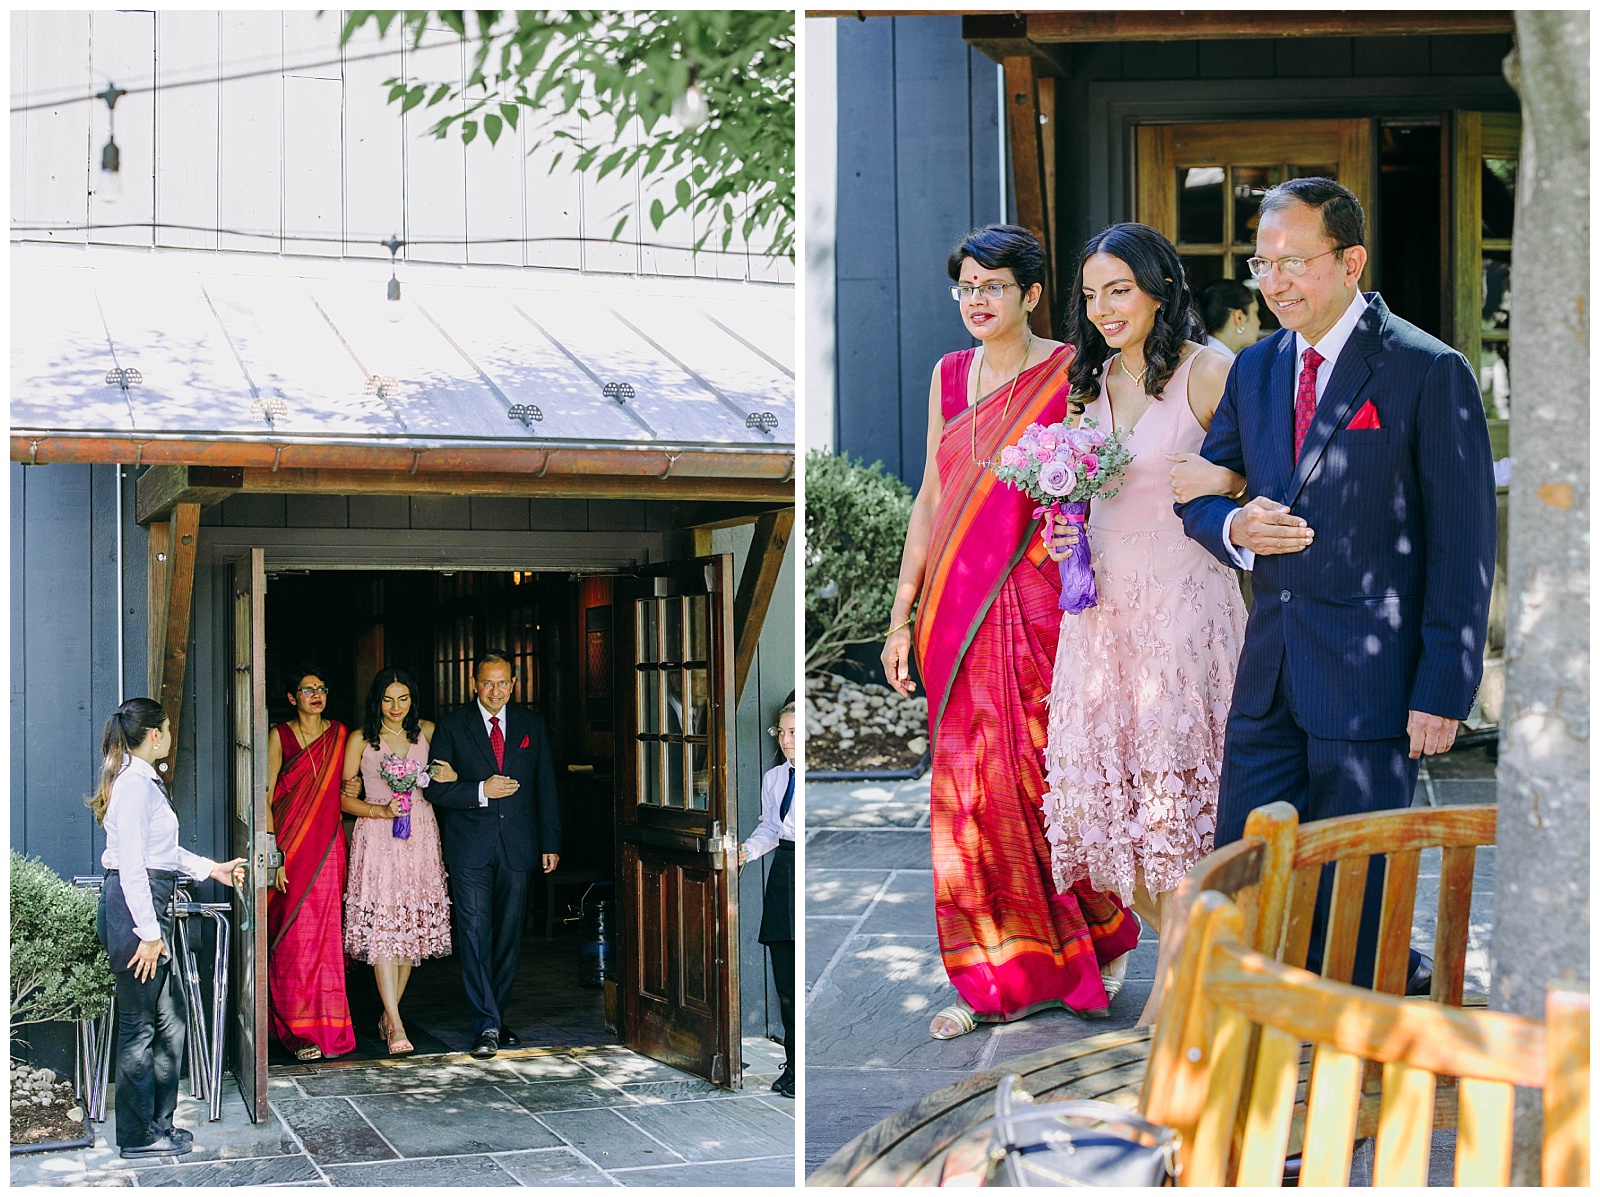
(1343, 221)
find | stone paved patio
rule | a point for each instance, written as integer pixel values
(586, 1116)
(874, 976)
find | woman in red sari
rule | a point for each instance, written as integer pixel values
(985, 637)
(305, 940)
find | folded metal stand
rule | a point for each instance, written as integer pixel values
(206, 1035)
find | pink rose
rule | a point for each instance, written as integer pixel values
(1056, 479)
(1040, 453)
(1048, 440)
(1064, 454)
(1012, 456)
(1091, 464)
(1095, 437)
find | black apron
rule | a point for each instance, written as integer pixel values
(114, 922)
(777, 904)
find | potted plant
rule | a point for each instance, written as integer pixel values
(59, 973)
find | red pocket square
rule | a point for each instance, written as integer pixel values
(524, 743)
(1367, 417)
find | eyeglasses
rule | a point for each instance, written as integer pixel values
(781, 733)
(314, 691)
(964, 292)
(1288, 267)
(496, 685)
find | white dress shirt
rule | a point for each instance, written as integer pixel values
(1213, 343)
(771, 829)
(1330, 347)
(486, 714)
(142, 834)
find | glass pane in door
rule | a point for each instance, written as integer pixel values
(1495, 284)
(1250, 183)
(1499, 195)
(1200, 269)
(647, 650)
(1494, 378)
(699, 628)
(1200, 205)
(649, 773)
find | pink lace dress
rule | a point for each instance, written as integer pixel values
(1142, 684)
(396, 903)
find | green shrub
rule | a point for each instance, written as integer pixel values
(856, 519)
(59, 969)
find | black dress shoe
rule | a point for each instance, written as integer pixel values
(486, 1046)
(165, 1145)
(509, 1038)
(181, 1134)
(784, 1085)
(1420, 983)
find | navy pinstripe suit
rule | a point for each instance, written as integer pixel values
(1386, 612)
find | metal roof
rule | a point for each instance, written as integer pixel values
(241, 347)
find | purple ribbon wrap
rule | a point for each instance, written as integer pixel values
(1078, 592)
(402, 821)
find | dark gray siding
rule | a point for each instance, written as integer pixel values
(917, 166)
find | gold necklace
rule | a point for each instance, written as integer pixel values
(1137, 378)
(1004, 415)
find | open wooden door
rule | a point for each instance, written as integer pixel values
(247, 836)
(677, 851)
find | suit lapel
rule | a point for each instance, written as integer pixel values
(480, 736)
(1350, 372)
(1279, 423)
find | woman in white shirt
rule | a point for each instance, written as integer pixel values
(776, 830)
(142, 862)
(1232, 317)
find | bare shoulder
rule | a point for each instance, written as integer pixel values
(427, 730)
(1211, 368)
(357, 741)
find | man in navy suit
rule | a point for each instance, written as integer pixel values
(499, 819)
(1371, 535)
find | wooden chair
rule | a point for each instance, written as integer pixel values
(1414, 1043)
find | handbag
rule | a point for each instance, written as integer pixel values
(1074, 1143)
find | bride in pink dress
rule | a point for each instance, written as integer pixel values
(397, 906)
(1142, 681)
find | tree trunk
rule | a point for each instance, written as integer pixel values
(1541, 906)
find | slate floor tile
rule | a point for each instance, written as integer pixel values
(658, 1092)
(332, 1131)
(454, 1122)
(718, 1130)
(564, 1067)
(773, 1173)
(823, 938)
(905, 907)
(590, 1093)
(608, 1140)
(421, 1075)
(628, 1068)
(843, 1102)
(870, 849)
(231, 1173)
(557, 1166)
(475, 1171)
(828, 802)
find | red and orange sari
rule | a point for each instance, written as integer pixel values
(986, 633)
(305, 953)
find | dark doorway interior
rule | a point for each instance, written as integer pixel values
(1409, 252)
(432, 624)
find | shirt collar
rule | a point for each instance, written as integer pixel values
(138, 764)
(487, 715)
(1333, 340)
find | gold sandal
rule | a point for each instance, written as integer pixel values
(958, 1015)
(308, 1053)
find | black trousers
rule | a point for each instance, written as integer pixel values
(783, 980)
(150, 1031)
(1274, 759)
(490, 904)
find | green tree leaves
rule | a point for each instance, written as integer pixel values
(623, 72)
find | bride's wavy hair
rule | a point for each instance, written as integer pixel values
(372, 722)
(1159, 274)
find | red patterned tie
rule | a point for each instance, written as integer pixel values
(1305, 399)
(497, 741)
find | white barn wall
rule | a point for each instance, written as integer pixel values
(307, 151)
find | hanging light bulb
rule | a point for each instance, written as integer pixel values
(690, 109)
(394, 307)
(108, 188)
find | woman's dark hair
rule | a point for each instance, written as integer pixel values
(372, 719)
(1219, 300)
(129, 726)
(1159, 274)
(302, 671)
(1001, 247)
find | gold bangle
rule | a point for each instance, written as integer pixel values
(898, 626)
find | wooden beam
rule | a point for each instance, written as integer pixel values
(756, 584)
(566, 486)
(1155, 26)
(161, 488)
(722, 515)
(1003, 35)
(159, 552)
(182, 540)
(1028, 172)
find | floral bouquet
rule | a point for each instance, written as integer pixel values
(400, 774)
(1061, 469)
